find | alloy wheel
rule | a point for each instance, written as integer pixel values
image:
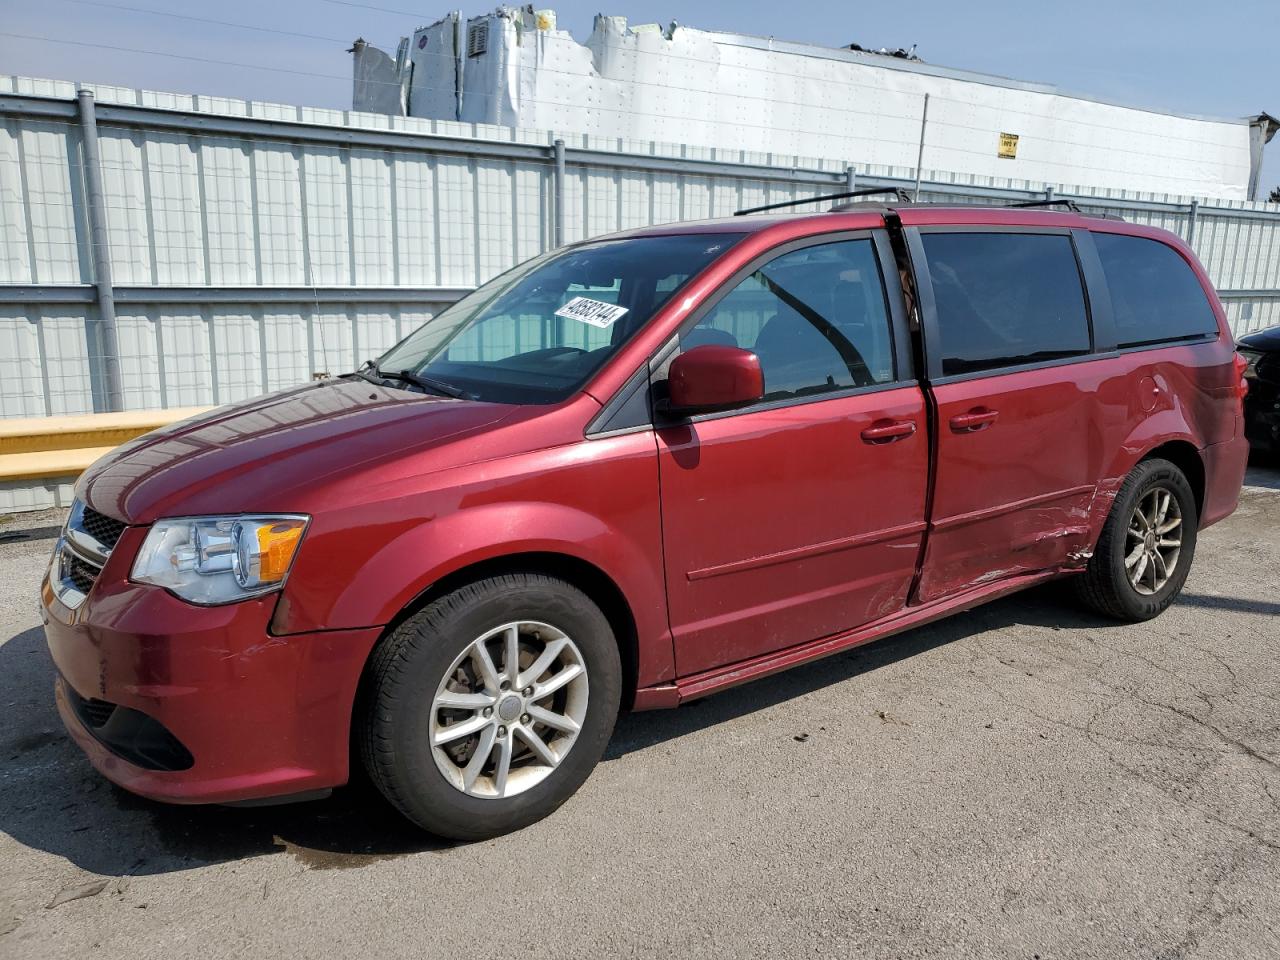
(1154, 540)
(509, 709)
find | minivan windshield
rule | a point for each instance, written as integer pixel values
(536, 333)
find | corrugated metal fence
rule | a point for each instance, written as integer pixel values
(253, 245)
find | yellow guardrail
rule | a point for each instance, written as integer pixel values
(36, 448)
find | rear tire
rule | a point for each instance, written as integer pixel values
(1146, 547)
(469, 747)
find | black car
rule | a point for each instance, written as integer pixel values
(1262, 405)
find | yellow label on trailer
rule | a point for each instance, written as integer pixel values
(1009, 146)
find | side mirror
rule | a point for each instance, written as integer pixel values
(713, 377)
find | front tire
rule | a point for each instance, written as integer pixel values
(1146, 547)
(489, 708)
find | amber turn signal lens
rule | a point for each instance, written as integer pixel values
(277, 544)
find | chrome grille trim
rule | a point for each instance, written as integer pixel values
(70, 581)
(86, 544)
(79, 556)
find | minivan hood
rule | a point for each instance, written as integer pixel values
(264, 455)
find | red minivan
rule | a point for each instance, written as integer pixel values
(632, 472)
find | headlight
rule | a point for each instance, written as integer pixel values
(211, 560)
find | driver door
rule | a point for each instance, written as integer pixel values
(801, 516)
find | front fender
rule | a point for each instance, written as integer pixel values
(411, 562)
(597, 505)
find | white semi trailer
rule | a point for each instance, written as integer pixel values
(734, 92)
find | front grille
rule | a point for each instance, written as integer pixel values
(82, 552)
(106, 530)
(80, 573)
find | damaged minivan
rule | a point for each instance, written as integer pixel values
(633, 472)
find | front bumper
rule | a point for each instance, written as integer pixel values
(259, 715)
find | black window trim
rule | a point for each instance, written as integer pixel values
(1186, 340)
(654, 369)
(599, 427)
(1097, 305)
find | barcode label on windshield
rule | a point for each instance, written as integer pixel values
(595, 312)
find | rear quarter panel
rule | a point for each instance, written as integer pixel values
(1148, 398)
(1185, 392)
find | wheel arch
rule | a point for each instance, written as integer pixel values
(1105, 585)
(599, 587)
(1183, 455)
(1175, 443)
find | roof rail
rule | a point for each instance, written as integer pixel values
(1068, 204)
(865, 192)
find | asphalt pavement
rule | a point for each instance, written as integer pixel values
(1023, 780)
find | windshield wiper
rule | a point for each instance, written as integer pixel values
(363, 373)
(429, 384)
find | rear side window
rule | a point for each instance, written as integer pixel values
(815, 317)
(1005, 299)
(1155, 295)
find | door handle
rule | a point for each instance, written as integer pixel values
(887, 431)
(976, 419)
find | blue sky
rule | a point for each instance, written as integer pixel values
(1194, 57)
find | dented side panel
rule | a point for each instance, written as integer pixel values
(1032, 491)
(1014, 496)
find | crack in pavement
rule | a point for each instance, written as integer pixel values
(1233, 745)
(1222, 735)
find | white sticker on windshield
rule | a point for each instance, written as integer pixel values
(595, 312)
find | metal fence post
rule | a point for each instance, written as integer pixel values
(557, 214)
(108, 337)
(850, 179)
(924, 122)
(1241, 232)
